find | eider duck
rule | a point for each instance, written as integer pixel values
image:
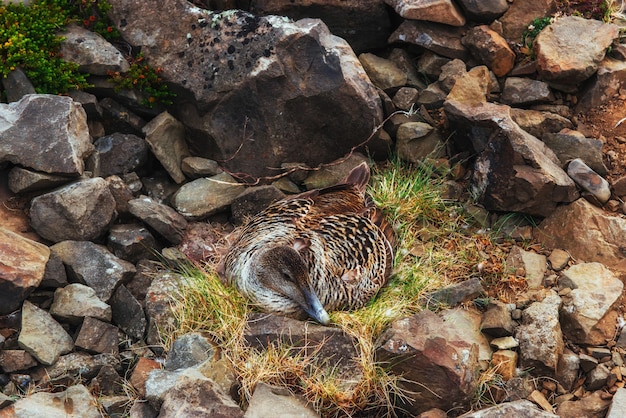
(322, 250)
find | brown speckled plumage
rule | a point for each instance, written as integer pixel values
(335, 235)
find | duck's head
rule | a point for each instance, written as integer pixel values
(282, 271)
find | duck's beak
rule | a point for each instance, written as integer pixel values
(314, 307)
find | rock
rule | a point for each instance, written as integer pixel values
(570, 49)
(42, 336)
(97, 337)
(610, 79)
(64, 123)
(491, 49)
(497, 321)
(451, 72)
(589, 180)
(22, 180)
(326, 345)
(74, 402)
(158, 305)
(119, 118)
(595, 236)
(504, 343)
(107, 382)
(196, 167)
(266, 400)
(80, 365)
(617, 408)
(519, 91)
(520, 14)
(333, 173)
(558, 259)
(441, 11)
(440, 39)
(132, 242)
(252, 201)
(195, 395)
(540, 336)
(568, 145)
(189, 350)
(596, 378)
(76, 301)
(417, 141)
(17, 85)
(438, 367)
(206, 196)
(163, 219)
(592, 406)
(83, 210)
(457, 293)
(519, 409)
(535, 185)
(567, 370)
(430, 64)
(540, 399)
(16, 360)
(128, 314)
(363, 23)
(533, 264)
(405, 98)
(384, 73)
(483, 11)
(121, 192)
(141, 373)
(22, 268)
(166, 137)
(538, 123)
(93, 54)
(590, 315)
(467, 326)
(93, 265)
(118, 154)
(505, 362)
(259, 63)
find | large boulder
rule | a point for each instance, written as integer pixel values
(46, 133)
(255, 91)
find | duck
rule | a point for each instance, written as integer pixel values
(306, 255)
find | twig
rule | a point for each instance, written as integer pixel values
(253, 181)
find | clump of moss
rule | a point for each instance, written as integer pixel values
(28, 40)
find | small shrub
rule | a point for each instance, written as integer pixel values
(531, 32)
(28, 39)
(146, 79)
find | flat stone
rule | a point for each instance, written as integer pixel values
(589, 180)
(521, 408)
(76, 301)
(519, 91)
(22, 180)
(97, 337)
(94, 266)
(457, 293)
(163, 219)
(42, 336)
(441, 11)
(79, 364)
(497, 321)
(203, 197)
(417, 141)
(267, 399)
(118, 154)
(559, 259)
(75, 401)
(93, 54)
(132, 242)
(569, 144)
(189, 350)
(505, 363)
(16, 360)
(618, 404)
(490, 49)
(440, 39)
(593, 406)
(384, 73)
(196, 167)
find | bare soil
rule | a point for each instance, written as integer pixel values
(603, 123)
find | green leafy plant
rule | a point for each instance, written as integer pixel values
(531, 32)
(146, 79)
(93, 16)
(29, 40)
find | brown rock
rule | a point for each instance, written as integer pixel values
(441, 11)
(505, 363)
(490, 49)
(140, 374)
(438, 368)
(16, 360)
(521, 13)
(440, 39)
(97, 337)
(592, 406)
(22, 267)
